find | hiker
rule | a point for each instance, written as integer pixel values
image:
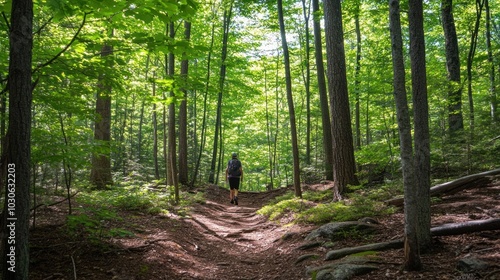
(234, 173)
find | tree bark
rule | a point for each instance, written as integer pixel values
(455, 118)
(466, 227)
(307, 80)
(323, 96)
(421, 119)
(470, 59)
(291, 109)
(100, 175)
(344, 167)
(183, 146)
(491, 61)
(222, 77)
(15, 164)
(172, 176)
(470, 181)
(412, 256)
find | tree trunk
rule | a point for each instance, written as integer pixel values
(100, 175)
(204, 119)
(323, 96)
(357, 81)
(412, 256)
(491, 61)
(455, 118)
(155, 133)
(183, 146)
(470, 59)
(222, 77)
(15, 162)
(470, 181)
(172, 177)
(421, 119)
(466, 227)
(307, 81)
(344, 167)
(291, 109)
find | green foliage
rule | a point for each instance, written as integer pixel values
(94, 223)
(317, 208)
(131, 198)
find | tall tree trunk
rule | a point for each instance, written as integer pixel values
(291, 109)
(455, 118)
(155, 133)
(344, 167)
(100, 175)
(183, 146)
(491, 61)
(172, 149)
(421, 119)
(307, 80)
(222, 77)
(141, 117)
(357, 81)
(412, 256)
(323, 95)
(15, 162)
(269, 134)
(470, 59)
(205, 96)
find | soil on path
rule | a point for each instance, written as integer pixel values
(217, 240)
(223, 241)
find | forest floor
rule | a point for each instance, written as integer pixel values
(218, 240)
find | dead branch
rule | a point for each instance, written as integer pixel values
(442, 230)
(55, 203)
(466, 227)
(466, 182)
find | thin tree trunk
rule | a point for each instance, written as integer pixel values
(222, 77)
(307, 80)
(357, 81)
(491, 61)
(141, 117)
(470, 59)
(323, 96)
(455, 118)
(291, 109)
(183, 146)
(205, 96)
(172, 153)
(421, 119)
(155, 134)
(412, 256)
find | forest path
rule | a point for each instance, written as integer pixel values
(240, 243)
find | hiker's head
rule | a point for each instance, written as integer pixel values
(235, 155)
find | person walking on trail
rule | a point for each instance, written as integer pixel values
(234, 173)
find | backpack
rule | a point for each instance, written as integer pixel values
(234, 167)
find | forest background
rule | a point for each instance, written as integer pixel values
(69, 66)
(163, 92)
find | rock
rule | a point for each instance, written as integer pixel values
(334, 230)
(472, 264)
(344, 271)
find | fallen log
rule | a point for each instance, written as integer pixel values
(442, 230)
(466, 227)
(470, 181)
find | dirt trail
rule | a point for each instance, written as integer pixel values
(243, 244)
(217, 240)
